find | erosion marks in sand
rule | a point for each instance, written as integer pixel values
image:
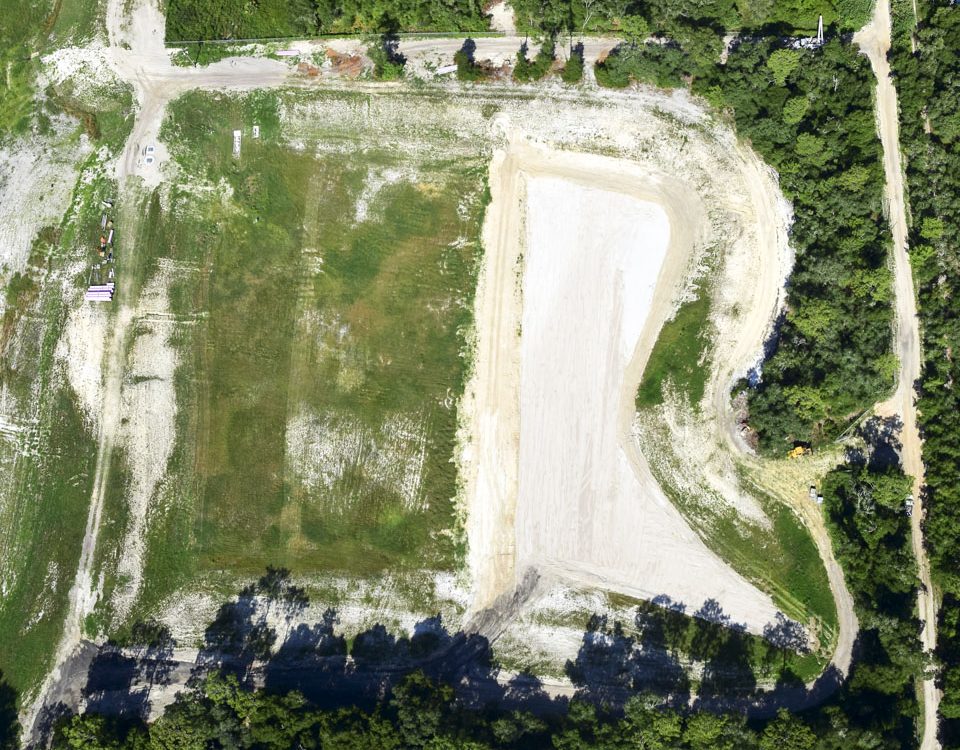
(595, 480)
(317, 308)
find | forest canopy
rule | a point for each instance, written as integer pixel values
(190, 20)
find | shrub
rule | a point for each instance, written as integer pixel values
(388, 63)
(573, 71)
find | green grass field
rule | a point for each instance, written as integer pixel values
(49, 466)
(320, 353)
(680, 356)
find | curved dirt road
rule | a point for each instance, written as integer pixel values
(874, 41)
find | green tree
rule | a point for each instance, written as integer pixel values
(782, 63)
(573, 69)
(9, 720)
(787, 732)
(706, 731)
(422, 708)
(635, 29)
(650, 726)
(794, 109)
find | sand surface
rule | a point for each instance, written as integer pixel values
(601, 246)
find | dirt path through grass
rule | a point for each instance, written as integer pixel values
(140, 59)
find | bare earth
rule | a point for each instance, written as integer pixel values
(874, 41)
(601, 245)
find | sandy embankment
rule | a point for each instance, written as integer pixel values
(602, 246)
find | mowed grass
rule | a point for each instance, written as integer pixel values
(784, 562)
(307, 313)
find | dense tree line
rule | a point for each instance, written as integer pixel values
(9, 722)
(235, 19)
(420, 713)
(875, 708)
(809, 114)
(871, 539)
(928, 83)
(239, 19)
(676, 18)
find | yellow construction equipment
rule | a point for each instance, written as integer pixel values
(800, 450)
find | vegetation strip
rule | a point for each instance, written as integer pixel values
(926, 62)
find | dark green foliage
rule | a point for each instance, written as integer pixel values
(468, 69)
(665, 65)
(218, 712)
(572, 71)
(809, 114)
(20, 290)
(238, 19)
(527, 70)
(928, 82)
(9, 721)
(388, 62)
(832, 355)
(871, 539)
(578, 16)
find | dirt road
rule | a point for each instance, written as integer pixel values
(874, 41)
(139, 58)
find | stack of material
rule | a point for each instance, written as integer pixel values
(100, 292)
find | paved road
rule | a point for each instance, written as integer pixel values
(874, 41)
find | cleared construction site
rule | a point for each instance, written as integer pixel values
(391, 340)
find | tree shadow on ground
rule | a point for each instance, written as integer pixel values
(242, 633)
(883, 446)
(123, 674)
(469, 50)
(9, 720)
(261, 639)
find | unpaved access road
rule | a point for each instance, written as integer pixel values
(874, 41)
(139, 58)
